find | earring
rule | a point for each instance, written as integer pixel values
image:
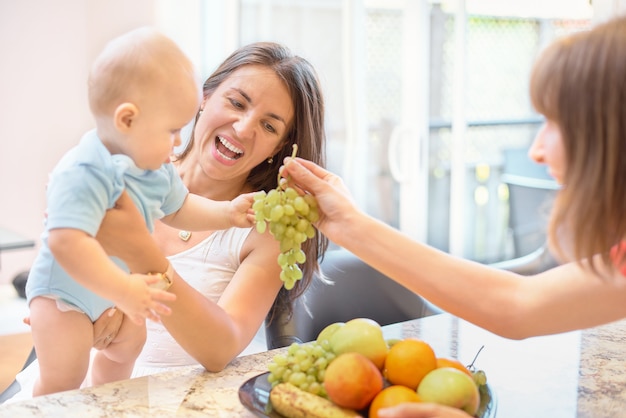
(270, 160)
(199, 112)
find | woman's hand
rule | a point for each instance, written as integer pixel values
(106, 327)
(334, 199)
(422, 410)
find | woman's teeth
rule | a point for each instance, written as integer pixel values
(231, 151)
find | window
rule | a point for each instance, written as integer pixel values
(424, 101)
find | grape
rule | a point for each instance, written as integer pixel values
(480, 377)
(303, 365)
(290, 218)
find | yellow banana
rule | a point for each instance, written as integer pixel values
(293, 402)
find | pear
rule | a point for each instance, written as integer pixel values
(360, 335)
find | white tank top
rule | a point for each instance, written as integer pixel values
(208, 267)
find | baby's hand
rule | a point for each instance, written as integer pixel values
(240, 209)
(141, 301)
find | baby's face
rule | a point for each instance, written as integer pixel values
(163, 112)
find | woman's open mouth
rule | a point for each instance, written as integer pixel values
(226, 149)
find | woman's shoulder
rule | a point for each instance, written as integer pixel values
(259, 243)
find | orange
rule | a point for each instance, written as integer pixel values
(449, 362)
(392, 396)
(408, 361)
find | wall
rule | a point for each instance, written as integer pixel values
(46, 49)
(605, 9)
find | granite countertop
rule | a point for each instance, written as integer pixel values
(576, 374)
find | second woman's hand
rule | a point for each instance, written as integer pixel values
(422, 410)
(333, 197)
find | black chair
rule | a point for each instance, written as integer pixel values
(537, 261)
(531, 192)
(357, 290)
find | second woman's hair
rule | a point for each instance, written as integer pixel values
(579, 82)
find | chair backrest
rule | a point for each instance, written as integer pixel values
(531, 192)
(357, 291)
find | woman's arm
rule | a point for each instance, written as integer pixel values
(561, 299)
(212, 333)
(123, 234)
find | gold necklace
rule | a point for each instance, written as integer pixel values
(184, 235)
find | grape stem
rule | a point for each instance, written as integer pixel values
(475, 357)
(293, 155)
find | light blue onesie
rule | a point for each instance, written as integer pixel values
(85, 183)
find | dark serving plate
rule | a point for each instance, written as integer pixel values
(254, 394)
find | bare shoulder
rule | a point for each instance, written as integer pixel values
(260, 245)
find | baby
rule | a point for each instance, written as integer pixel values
(142, 91)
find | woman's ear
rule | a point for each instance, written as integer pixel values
(202, 104)
(124, 116)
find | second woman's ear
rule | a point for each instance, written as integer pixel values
(124, 116)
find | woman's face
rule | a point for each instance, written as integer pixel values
(548, 149)
(243, 122)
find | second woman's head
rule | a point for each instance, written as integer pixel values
(579, 85)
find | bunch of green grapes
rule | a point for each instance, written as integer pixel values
(290, 217)
(303, 365)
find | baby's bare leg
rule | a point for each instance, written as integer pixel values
(116, 361)
(62, 341)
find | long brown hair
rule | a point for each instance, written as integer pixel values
(307, 131)
(579, 82)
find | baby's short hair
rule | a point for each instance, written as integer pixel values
(132, 64)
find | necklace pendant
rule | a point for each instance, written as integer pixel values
(184, 235)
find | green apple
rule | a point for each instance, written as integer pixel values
(452, 387)
(328, 331)
(361, 335)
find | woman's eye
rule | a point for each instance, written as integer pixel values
(236, 103)
(270, 128)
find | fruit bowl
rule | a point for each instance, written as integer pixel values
(254, 394)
